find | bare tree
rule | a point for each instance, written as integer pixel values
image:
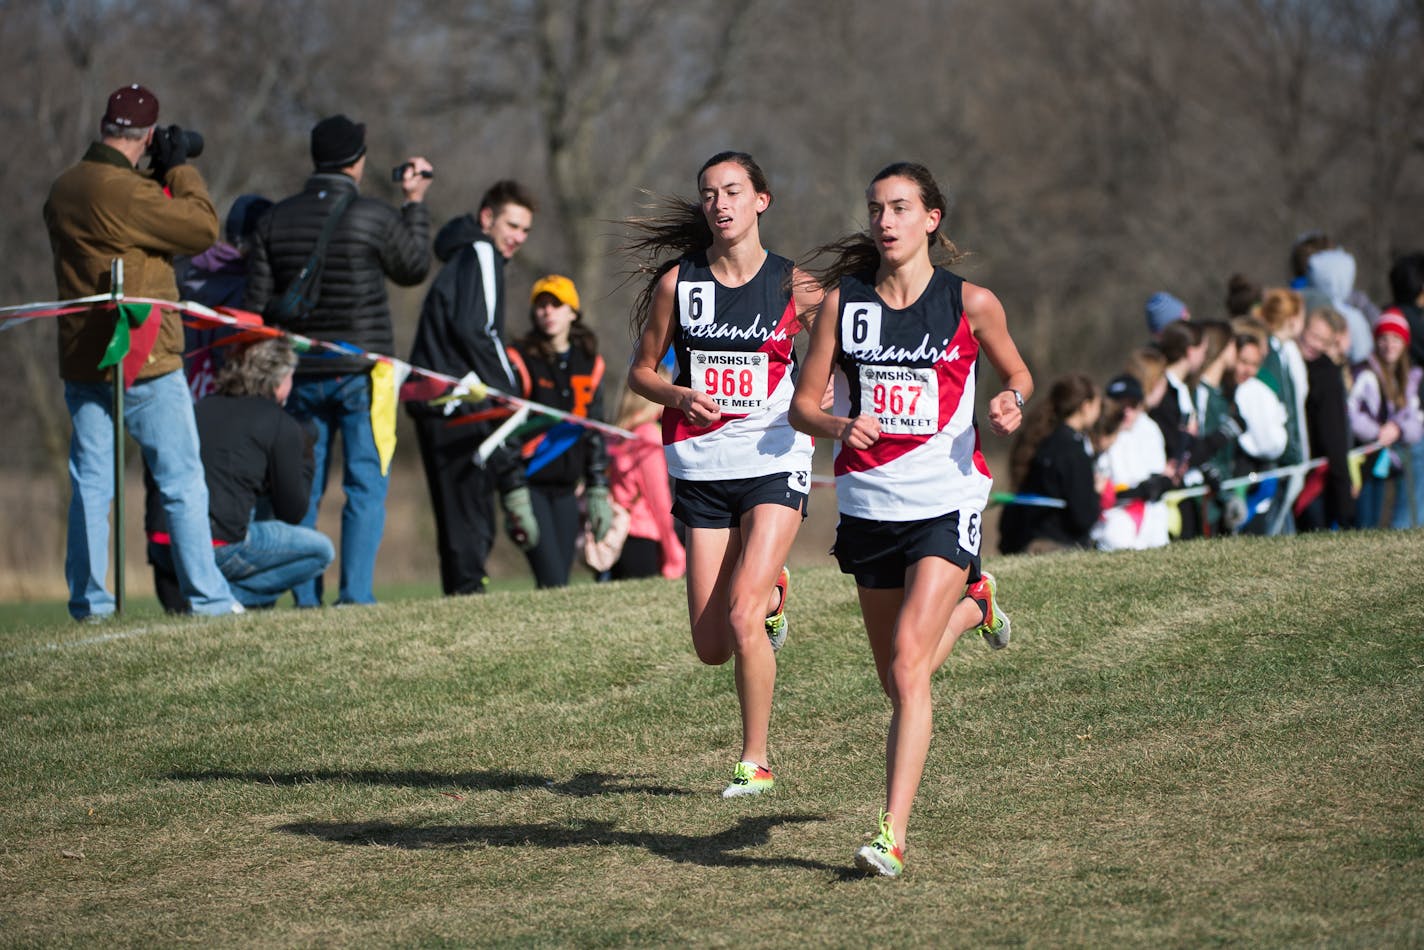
(1094, 151)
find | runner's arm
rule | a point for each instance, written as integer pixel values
(698, 408)
(991, 329)
(807, 414)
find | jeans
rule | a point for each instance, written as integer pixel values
(1410, 484)
(274, 558)
(159, 415)
(1279, 517)
(1370, 504)
(342, 405)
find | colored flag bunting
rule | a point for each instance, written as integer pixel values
(135, 331)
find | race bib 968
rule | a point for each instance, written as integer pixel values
(738, 382)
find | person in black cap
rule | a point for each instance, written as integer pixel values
(347, 303)
(1136, 466)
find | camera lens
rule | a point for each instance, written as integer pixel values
(194, 141)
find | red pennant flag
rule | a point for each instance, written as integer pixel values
(423, 388)
(135, 332)
(1136, 510)
(244, 318)
(1314, 485)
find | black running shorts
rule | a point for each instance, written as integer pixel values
(879, 553)
(722, 502)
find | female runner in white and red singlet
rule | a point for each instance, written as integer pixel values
(729, 309)
(911, 482)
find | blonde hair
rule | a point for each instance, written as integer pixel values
(634, 410)
(256, 369)
(1148, 366)
(1279, 306)
(1250, 328)
(1331, 318)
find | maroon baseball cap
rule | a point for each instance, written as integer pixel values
(133, 107)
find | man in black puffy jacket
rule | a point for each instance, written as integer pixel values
(371, 241)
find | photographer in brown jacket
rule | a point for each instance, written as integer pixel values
(101, 209)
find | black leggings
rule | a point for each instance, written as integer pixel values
(556, 510)
(642, 557)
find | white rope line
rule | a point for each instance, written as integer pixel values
(72, 644)
(343, 349)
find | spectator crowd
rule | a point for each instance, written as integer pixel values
(1281, 376)
(235, 484)
(1236, 407)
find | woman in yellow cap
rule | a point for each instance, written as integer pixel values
(557, 363)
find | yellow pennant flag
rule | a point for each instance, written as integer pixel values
(386, 379)
(1356, 462)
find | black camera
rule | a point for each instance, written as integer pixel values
(398, 173)
(192, 142)
(172, 145)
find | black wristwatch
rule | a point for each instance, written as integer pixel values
(1018, 398)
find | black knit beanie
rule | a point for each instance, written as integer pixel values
(337, 142)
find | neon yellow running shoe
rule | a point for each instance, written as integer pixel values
(777, 625)
(882, 856)
(749, 779)
(996, 628)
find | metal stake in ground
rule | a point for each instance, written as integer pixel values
(116, 290)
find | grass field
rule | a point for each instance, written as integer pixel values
(1217, 743)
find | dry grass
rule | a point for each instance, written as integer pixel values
(1213, 743)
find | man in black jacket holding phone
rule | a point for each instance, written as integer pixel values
(369, 242)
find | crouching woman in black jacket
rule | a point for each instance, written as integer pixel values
(1053, 457)
(258, 466)
(557, 363)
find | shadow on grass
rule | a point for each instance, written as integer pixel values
(582, 785)
(715, 850)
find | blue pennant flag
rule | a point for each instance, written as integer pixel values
(1260, 498)
(556, 442)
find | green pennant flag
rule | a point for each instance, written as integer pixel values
(533, 426)
(130, 315)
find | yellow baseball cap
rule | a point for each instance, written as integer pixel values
(559, 287)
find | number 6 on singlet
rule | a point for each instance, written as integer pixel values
(860, 326)
(696, 301)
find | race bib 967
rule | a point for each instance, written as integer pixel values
(904, 399)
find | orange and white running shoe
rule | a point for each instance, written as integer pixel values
(995, 627)
(749, 779)
(882, 856)
(777, 626)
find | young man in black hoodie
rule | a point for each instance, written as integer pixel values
(461, 334)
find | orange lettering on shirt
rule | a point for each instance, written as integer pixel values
(582, 387)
